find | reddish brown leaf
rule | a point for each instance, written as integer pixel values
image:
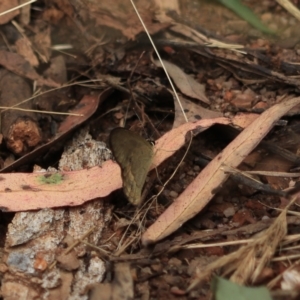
(87, 106)
(6, 5)
(17, 64)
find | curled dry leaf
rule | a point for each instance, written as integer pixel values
(204, 187)
(45, 190)
(173, 140)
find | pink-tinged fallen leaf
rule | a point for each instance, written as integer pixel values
(205, 185)
(23, 191)
(173, 140)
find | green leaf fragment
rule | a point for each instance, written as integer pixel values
(50, 178)
(247, 14)
(226, 290)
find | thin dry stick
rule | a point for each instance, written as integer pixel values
(286, 257)
(17, 7)
(274, 174)
(290, 7)
(287, 240)
(136, 217)
(51, 90)
(290, 212)
(102, 251)
(70, 248)
(125, 246)
(40, 111)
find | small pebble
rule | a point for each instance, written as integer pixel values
(229, 212)
(219, 199)
(173, 194)
(157, 267)
(175, 262)
(177, 291)
(266, 17)
(235, 200)
(196, 168)
(166, 193)
(182, 176)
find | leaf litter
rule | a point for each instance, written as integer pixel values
(201, 190)
(217, 84)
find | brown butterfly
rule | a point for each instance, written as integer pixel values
(134, 155)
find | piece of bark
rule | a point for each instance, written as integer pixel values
(41, 237)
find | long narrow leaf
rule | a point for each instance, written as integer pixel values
(247, 14)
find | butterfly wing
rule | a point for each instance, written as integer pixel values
(134, 155)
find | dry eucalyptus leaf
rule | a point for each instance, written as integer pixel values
(203, 188)
(185, 83)
(44, 190)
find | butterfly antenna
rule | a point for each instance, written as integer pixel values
(130, 89)
(176, 97)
